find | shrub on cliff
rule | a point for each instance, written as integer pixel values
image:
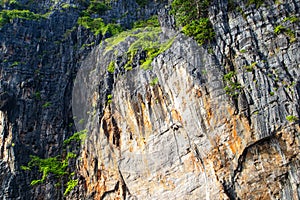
(192, 15)
(7, 15)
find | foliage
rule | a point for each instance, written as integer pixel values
(258, 3)
(201, 30)
(7, 16)
(232, 87)
(77, 137)
(97, 7)
(146, 39)
(87, 45)
(282, 29)
(292, 19)
(154, 81)
(192, 16)
(48, 165)
(47, 104)
(70, 186)
(37, 95)
(97, 25)
(185, 11)
(151, 22)
(291, 35)
(142, 3)
(249, 68)
(292, 118)
(16, 63)
(111, 67)
(279, 29)
(53, 165)
(109, 98)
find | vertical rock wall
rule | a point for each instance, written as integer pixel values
(170, 132)
(173, 133)
(39, 61)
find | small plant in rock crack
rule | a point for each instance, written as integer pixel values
(292, 118)
(111, 67)
(232, 87)
(279, 29)
(292, 19)
(53, 165)
(70, 186)
(47, 104)
(78, 137)
(290, 33)
(154, 81)
(109, 98)
(250, 68)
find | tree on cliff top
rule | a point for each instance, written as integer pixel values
(192, 16)
(186, 11)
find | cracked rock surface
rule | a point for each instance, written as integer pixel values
(171, 131)
(184, 137)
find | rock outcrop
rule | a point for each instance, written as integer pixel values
(218, 121)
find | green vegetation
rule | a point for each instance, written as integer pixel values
(282, 29)
(81, 121)
(279, 29)
(70, 186)
(292, 118)
(243, 51)
(291, 35)
(201, 30)
(47, 104)
(37, 95)
(192, 15)
(56, 165)
(16, 63)
(146, 39)
(65, 5)
(97, 25)
(111, 67)
(292, 19)
(97, 6)
(12, 3)
(52, 165)
(154, 81)
(151, 22)
(142, 3)
(232, 87)
(48, 165)
(79, 136)
(185, 11)
(87, 45)
(109, 98)
(6, 16)
(258, 3)
(250, 68)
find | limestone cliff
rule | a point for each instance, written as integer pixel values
(217, 121)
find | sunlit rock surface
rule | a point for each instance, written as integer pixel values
(167, 132)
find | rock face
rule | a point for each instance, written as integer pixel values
(220, 121)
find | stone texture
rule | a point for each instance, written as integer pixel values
(181, 138)
(39, 62)
(185, 138)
